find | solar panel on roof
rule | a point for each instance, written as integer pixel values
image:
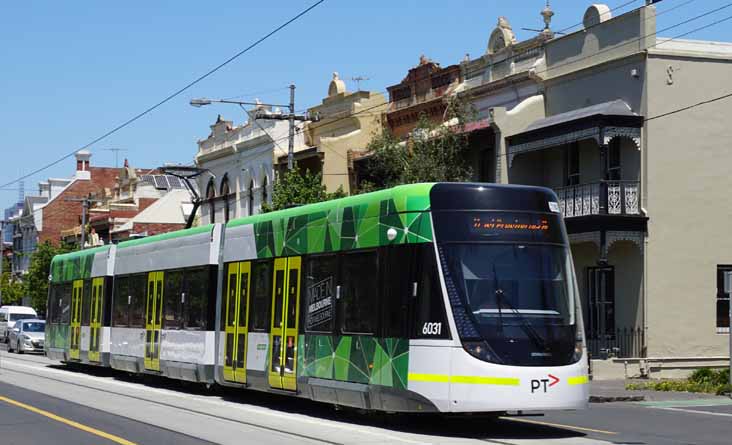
(174, 182)
(161, 182)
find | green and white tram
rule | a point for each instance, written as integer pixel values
(424, 298)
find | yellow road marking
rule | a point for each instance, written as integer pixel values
(579, 380)
(71, 423)
(559, 425)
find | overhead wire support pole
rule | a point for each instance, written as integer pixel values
(291, 131)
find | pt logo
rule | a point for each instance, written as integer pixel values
(543, 384)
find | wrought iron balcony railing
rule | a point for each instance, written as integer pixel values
(600, 198)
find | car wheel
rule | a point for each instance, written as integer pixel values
(10, 348)
(20, 351)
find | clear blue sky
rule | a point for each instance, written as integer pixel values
(73, 70)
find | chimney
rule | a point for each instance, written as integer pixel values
(82, 164)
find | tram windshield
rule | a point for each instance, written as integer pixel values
(514, 275)
(504, 283)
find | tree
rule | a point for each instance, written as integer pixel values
(296, 187)
(12, 290)
(36, 281)
(434, 152)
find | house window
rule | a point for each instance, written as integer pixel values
(613, 160)
(225, 195)
(573, 174)
(264, 190)
(724, 289)
(210, 195)
(251, 197)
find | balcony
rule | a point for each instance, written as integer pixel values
(600, 198)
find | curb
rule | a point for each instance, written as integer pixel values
(611, 399)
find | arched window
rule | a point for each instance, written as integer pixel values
(210, 196)
(264, 190)
(224, 193)
(251, 197)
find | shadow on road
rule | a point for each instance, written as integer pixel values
(482, 427)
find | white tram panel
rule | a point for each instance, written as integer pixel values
(176, 346)
(427, 360)
(476, 385)
(175, 253)
(257, 351)
(240, 244)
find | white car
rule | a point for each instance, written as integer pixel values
(9, 315)
(27, 336)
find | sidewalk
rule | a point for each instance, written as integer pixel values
(602, 391)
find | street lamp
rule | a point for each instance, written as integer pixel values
(200, 102)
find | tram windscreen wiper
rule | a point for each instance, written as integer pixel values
(530, 331)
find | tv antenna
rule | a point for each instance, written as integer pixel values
(358, 80)
(116, 154)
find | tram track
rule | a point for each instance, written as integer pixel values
(170, 405)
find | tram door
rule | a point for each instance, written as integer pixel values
(153, 320)
(75, 326)
(95, 322)
(285, 313)
(236, 316)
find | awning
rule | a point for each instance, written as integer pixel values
(601, 122)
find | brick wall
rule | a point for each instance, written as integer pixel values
(61, 214)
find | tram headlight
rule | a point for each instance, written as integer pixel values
(480, 350)
(578, 348)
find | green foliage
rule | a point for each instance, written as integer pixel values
(296, 187)
(12, 290)
(434, 153)
(702, 380)
(36, 282)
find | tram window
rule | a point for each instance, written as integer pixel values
(359, 291)
(431, 320)
(54, 310)
(138, 292)
(398, 264)
(171, 291)
(65, 316)
(196, 300)
(121, 311)
(260, 296)
(86, 303)
(320, 282)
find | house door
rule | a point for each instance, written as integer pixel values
(285, 314)
(601, 302)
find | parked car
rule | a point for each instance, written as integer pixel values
(27, 336)
(10, 314)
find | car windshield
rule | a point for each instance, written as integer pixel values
(34, 326)
(514, 283)
(16, 317)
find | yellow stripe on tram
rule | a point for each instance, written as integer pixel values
(471, 380)
(579, 380)
(437, 378)
(464, 379)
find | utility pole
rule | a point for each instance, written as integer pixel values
(85, 204)
(291, 117)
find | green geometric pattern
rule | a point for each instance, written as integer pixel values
(354, 222)
(57, 335)
(359, 359)
(74, 265)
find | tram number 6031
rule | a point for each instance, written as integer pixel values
(432, 328)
